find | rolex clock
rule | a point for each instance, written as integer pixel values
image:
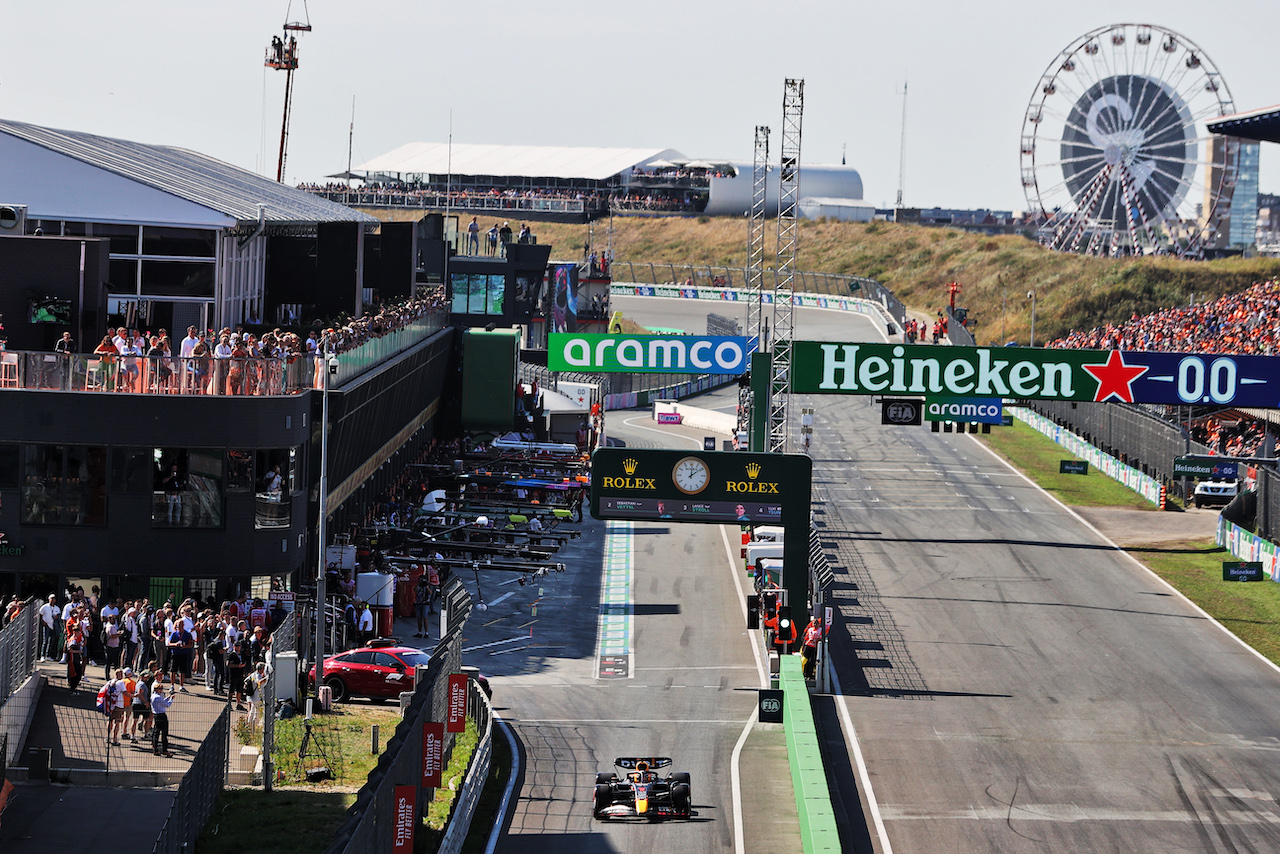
(690, 475)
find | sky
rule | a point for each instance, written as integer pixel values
(696, 77)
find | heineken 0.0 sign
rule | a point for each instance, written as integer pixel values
(639, 354)
(1033, 374)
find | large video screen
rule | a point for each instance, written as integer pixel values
(49, 310)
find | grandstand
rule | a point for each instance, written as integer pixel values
(575, 183)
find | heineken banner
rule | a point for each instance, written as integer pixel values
(649, 354)
(1033, 374)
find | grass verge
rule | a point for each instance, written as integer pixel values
(1037, 456)
(1193, 567)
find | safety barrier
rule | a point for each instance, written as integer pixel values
(1249, 546)
(468, 797)
(818, 831)
(1145, 485)
(18, 651)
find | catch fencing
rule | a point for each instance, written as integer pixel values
(1268, 507)
(372, 820)
(19, 643)
(1130, 433)
(198, 792)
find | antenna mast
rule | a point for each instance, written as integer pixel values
(902, 148)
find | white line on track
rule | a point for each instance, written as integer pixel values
(622, 721)
(496, 643)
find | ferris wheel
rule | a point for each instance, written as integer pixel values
(1116, 155)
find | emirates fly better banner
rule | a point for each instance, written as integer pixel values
(639, 354)
(1033, 374)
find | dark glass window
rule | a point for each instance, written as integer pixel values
(186, 242)
(132, 470)
(274, 488)
(9, 466)
(123, 277)
(239, 470)
(123, 238)
(64, 485)
(177, 278)
(188, 489)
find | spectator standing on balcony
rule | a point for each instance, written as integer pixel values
(65, 347)
(504, 236)
(473, 237)
(526, 236)
(492, 248)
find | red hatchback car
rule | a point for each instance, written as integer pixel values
(377, 672)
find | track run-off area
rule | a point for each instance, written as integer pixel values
(1008, 679)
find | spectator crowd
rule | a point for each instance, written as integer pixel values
(1245, 323)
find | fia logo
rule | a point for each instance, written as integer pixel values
(770, 705)
(901, 412)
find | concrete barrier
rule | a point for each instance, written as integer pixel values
(818, 831)
(699, 419)
(17, 712)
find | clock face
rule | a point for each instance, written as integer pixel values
(691, 475)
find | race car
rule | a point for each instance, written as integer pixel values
(639, 792)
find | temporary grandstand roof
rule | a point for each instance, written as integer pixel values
(1262, 125)
(63, 174)
(507, 161)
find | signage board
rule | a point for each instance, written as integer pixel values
(966, 410)
(639, 354)
(406, 817)
(457, 702)
(432, 754)
(703, 486)
(670, 418)
(1034, 374)
(286, 598)
(1006, 420)
(708, 443)
(1243, 570)
(771, 708)
(1073, 467)
(901, 411)
(8, 549)
(1204, 467)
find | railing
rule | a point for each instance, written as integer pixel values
(371, 824)
(198, 793)
(200, 375)
(1268, 507)
(19, 642)
(464, 805)
(357, 360)
(18, 652)
(707, 276)
(453, 201)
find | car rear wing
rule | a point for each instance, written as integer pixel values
(630, 762)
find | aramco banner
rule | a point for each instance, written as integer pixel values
(649, 354)
(1034, 374)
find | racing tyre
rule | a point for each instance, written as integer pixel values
(338, 687)
(680, 798)
(604, 777)
(603, 799)
(681, 777)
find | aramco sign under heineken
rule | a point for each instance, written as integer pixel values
(669, 354)
(1088, 375)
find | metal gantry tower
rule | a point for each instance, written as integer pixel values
(783, 290)
(755, 261)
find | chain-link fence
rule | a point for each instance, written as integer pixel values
(372, 822)
(194, 802)
(19, 642)
(1129, 433)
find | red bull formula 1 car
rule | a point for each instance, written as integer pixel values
(639, 792)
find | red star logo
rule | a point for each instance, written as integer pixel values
(1115, 378)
